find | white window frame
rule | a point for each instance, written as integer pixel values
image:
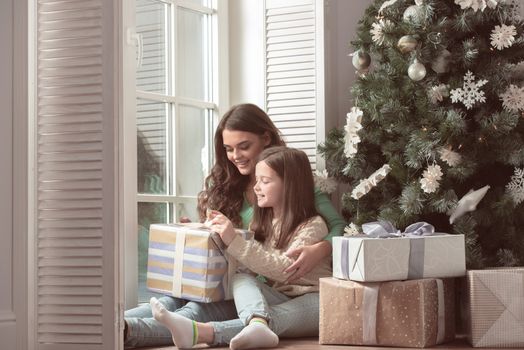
(219, 103)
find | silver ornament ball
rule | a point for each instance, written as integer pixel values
(413, 14)
(407, 43)
(416, 71)
(361, 60)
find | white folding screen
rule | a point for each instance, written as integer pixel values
(76, 167)
(295, 72)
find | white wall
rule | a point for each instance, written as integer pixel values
(341, 20)
(246, 55)
(7, 315)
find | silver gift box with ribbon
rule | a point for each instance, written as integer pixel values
(384, 253)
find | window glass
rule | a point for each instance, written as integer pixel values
(191, 76)
(153, 46)
(152, 146)
(191, 150)
(148, 213)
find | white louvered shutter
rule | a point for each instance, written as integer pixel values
(75, 175)
(294, 72)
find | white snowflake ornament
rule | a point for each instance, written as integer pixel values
(430, 178)
(513, 98)
(377, 31)
(451, 157)
(323, 182)
(515, 187)
(470, 91)
(476, 5)
(351, 230)
(353, 125)
(437, 93)
(503, 36)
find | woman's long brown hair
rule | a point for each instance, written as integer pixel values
(224, 187)
(293, 167)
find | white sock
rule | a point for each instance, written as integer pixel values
(182, 329)
(253, 336)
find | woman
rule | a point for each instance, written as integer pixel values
(242, 134)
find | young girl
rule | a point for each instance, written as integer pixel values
(284, 217)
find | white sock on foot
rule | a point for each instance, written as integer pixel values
(253, 336)
(182, 329)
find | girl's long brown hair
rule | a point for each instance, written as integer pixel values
(224, 187)
(292, 166)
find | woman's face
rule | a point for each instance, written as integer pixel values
(243, 148)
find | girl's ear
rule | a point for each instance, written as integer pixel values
(266, 138)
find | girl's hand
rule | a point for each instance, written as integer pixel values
(307, 257)
(219, 223)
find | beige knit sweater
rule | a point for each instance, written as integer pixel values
(265, 260)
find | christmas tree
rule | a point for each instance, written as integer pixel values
(439, 111)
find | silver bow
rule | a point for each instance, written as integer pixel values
(385, 229)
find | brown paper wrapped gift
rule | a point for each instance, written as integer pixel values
(413, 313)
(496, 307)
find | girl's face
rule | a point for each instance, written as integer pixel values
(269, 188)
(243, 148)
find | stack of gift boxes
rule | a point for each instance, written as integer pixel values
(398, 289)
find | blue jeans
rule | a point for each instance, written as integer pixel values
(143, 330)
(286, 316)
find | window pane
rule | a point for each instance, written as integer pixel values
(152, 70)
(186, 209)
(152, 146)
(206, 3)
(192, 150)
(192, 66)
(148, 213)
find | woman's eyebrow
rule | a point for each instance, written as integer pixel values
(239, 144)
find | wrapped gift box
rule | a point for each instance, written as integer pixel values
(365, 259)
(413, 313)
(496, 307)
(188, 261)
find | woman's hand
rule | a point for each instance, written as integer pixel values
(307, 257)
(219, 223)
(184, 219)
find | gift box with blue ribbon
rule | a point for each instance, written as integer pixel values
(189, 261)
(384, 253)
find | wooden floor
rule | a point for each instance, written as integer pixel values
(312, 344)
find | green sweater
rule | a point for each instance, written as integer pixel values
(325, 208)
